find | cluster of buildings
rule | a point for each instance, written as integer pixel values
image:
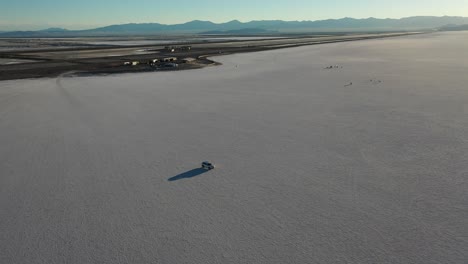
(166, 61)
(334, 67)
(150, 62)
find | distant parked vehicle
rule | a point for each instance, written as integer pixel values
(207, 165)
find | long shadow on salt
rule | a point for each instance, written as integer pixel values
(188, 174)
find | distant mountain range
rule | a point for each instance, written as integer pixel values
(254, 27)
(54, 30)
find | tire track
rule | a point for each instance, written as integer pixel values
(64, 92)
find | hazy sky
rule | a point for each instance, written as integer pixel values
(74, 14)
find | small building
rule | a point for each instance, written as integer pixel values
(170, 48)
(169, 59)
(153, 61)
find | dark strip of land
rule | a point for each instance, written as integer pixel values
(111, 59)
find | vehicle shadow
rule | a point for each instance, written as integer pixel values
(188, 174)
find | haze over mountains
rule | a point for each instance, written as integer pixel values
(254, 27)
(455, 28)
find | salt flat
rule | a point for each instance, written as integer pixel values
(310, 169)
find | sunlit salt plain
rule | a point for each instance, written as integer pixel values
(366, 162)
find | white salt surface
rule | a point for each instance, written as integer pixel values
(309, 170)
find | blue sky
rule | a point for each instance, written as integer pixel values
(38, 14)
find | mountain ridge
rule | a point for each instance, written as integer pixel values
(279, 26)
